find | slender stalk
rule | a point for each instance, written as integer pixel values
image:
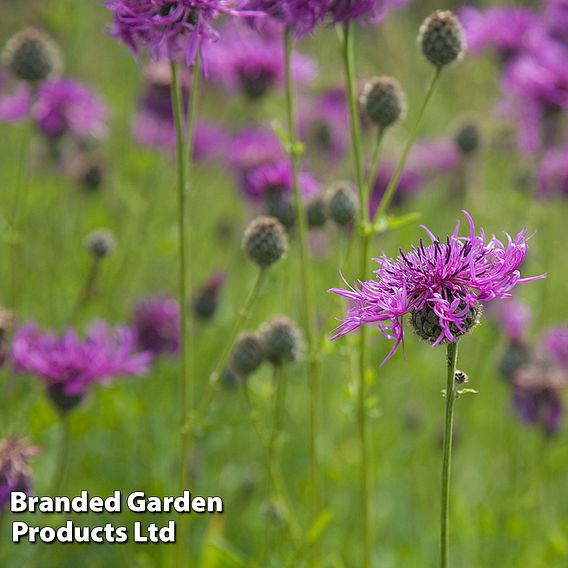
(89, 286)
(225, 354)
(393, 184)
(306, 272)
(452, 356)
(278, 410)
(62, 456)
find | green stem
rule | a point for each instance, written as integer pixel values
(452, 355)
(62, 456)
(306, 272)
(225, 354)
(393, 184)
(89, 286)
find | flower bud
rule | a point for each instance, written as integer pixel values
(315, 210)
(427, 325)
(342, 204)
(248, 354)
(468, 139)
(265, 241)
(100, 243)
(206, 301)
(441, 38)
(31, 56)
(282, 340)
(383, 101)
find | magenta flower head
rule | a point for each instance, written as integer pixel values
(552, 175)
(555, 341)
(247, 62)
(156, 323)
(556, 19)
(64, 106)
(375, 10)
(254, 147)
(169, 28)
(439, 285)
(513, 316)
(69, 364)
(302, 16)
(504, 29)
(15, 472)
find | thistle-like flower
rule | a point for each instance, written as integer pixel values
(383, 101)
(265, 241)
(170, 28)
(442, 39)
(375, 10)
(282, 339)
(440, 285)
(69, 365)
(248, 354)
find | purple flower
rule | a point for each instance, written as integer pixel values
(156, 322)
(410, 183)
(169, 28)
(555, 341)
(244, 60)
(254, 147)
(69, 364)
(433, 157)
(440, 285)
(154, 124)
(261, 181)
(15, 473)
(505, 29)
(302, 16)
(323, 123)
(552, 175)
(347, 10)
(514, 317)
(15, 99)
(556, 19)
(537, 395)
(65, 106)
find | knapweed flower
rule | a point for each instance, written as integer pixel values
(248, 354)
(439, 285)
(247, 62)
(342, 204)
(323, 125)
(265, 241)
(282, 340)
(375, 10)
(555, 341)
(556, 19)
(552, 175)
(15, 472)
(432, 157)
(441, 38)
(156, 323)
(15, 99)
(538, 393)
(254, 147)
(505, 29)
(154, 124)
(170, 28)
(69, 364)
(67, 107)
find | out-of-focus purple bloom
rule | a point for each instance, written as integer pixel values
(254, 147)
(410, 183)
(552, 176)
(15, 473)
(302, 16)
(261, 181)
(556, 19)
(555, 341)
(156, 322)
(347, 10)
(505, 29)
(65, 106)
(537, 395)
(433, 157)
(170, 28)
(15, 99)
(154, 124)
(442, 282)
(72, 364)
(323, 123)
(513, 316)
(244, 60)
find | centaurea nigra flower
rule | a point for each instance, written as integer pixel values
(440, 285)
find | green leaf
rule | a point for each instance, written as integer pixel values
(319, 526)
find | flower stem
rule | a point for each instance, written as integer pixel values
(62, 456)
(225, 354)
(306, 272)
(393, 184)
(89, 286)
(452, 356)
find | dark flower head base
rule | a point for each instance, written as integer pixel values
(440, 285)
